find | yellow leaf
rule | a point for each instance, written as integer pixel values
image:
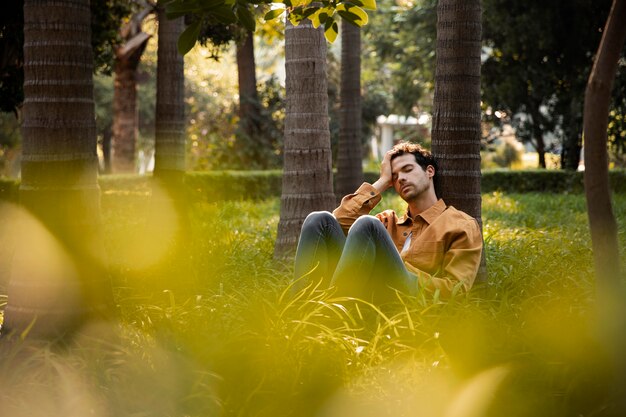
(369, 4)
(331, 32)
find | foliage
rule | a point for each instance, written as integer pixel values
(214, 186)
(240, 12)
(538, 58)
(398, 54)
(506, 154)
(225, 335)
(107, 16)
(11, 56)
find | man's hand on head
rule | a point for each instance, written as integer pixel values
(385, 180)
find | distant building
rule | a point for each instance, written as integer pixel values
(387, 127)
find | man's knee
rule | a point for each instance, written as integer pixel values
(365, 224)
(318, 218)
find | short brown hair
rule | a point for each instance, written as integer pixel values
(423, 157)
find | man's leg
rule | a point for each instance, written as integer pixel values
(319, 248)
(370, 266)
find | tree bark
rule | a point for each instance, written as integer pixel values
(602, 224)
(58, 282)
(540, 144)
(249, 114)
(350, 155)
(170, 101)
(597, 101)
(307, 171)
(127, 58)
(169, 144)
(456, 107)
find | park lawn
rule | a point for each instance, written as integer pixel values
(210, 327)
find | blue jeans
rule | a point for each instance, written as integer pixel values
(365, 264)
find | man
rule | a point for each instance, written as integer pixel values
(432, 246)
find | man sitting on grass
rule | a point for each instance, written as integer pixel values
(432, 246)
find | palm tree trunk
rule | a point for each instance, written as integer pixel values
(169, 167)
(248, 97)
(456, 106)
(57, 282)
(170, 101)
(456, 115)
(307, 171)
(350, 156)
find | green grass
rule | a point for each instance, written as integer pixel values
(212, 328)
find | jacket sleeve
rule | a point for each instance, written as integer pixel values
(460, 264)
(355, 205)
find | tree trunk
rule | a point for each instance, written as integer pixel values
(350, 156)
(597, 101)
(127, 57)
(570, 154)
(540, 145)
(58, 277)
(606, 255)
(249, 114)
(169, 145)
(170, 101)
(456, 107)
(307, 171)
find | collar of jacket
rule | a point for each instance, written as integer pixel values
(429, 215)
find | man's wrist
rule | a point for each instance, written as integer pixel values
(381, 185)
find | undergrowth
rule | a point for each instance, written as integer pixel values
(213, 327)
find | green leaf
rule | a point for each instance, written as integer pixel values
(350, 18)
(273, 14)
(223, 14)
(294, 18)
(321, 16)
(347, 9)
(245, 17)
(331, 29)
(188, 38)
(210, 4)
(179, 8)
(367, 4)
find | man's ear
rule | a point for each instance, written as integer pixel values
(430, 171)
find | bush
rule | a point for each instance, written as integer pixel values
(212, 186)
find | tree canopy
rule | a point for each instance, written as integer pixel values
(106, 17)
(537, 56)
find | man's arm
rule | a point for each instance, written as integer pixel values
(385, 179)
(460, 264)
(363, 200)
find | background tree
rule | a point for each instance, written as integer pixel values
(350, 154)
(399, 54)
(169, 141)
(597, 104)
(307, 173)
(249, 114)
(106, 16)
(456, 131)
(127, 58)
(602, 224)
(59, 175)
(549, 45)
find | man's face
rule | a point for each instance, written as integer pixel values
(409, 179)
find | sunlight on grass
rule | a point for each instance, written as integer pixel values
(215, 329)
